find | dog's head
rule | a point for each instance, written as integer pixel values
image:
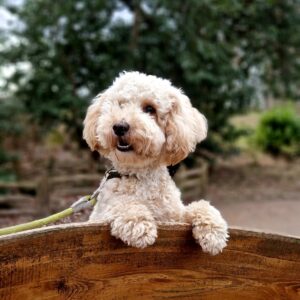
(143, 120)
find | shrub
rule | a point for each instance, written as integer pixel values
(278, 132)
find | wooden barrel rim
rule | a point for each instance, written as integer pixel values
(83, 261)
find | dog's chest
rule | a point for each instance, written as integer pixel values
(161, 196)
(136, 188)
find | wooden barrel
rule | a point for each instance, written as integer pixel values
(83, 261)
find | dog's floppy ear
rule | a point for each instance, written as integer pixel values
(90, 124)
(185, 127)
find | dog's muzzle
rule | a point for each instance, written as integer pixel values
(121, 128)
(123, 146)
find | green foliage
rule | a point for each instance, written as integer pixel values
(76, 48)
(279, 132)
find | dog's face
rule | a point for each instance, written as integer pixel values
(143, 120)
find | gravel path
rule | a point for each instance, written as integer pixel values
(263, 197)
(272, 216)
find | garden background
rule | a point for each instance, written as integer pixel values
(238, 61)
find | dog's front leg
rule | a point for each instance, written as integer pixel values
(209, 227)
(134, 224)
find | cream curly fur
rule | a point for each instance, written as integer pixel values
(134, 204)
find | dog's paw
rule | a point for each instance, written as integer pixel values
(140, 234)
(209, 227)
(211, 238)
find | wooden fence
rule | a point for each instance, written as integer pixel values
(17, 198)
(192, 182)
(53, 193)
(83, 261)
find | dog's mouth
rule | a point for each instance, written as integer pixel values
(123, 146)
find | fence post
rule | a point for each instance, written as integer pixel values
(43, 197)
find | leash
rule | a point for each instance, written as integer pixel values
(83, 202)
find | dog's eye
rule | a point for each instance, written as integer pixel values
(149, 109)
(121, 104)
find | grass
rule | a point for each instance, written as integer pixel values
(250, 121)
(246, 121)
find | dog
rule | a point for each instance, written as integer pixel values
(143, 124)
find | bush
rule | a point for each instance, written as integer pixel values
(278, 132)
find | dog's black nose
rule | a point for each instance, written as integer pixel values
(121, 128)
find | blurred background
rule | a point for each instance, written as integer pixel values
(238, 61)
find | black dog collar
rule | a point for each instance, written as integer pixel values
(113, 173)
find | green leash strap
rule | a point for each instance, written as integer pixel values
(86, 201)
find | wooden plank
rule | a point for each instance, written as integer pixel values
(20, 184)
(78, 180)
(190, 183)
(192, 173)
(16, 205)
(17, 212)
(83, 261)
(25, 187)
(16, 199)
(75, 191)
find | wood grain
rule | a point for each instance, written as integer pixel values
(82, 261)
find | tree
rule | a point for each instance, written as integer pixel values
(76, 48)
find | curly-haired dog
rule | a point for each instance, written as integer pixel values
(143, 124)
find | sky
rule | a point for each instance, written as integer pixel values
(6, 18)
(7, 21)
